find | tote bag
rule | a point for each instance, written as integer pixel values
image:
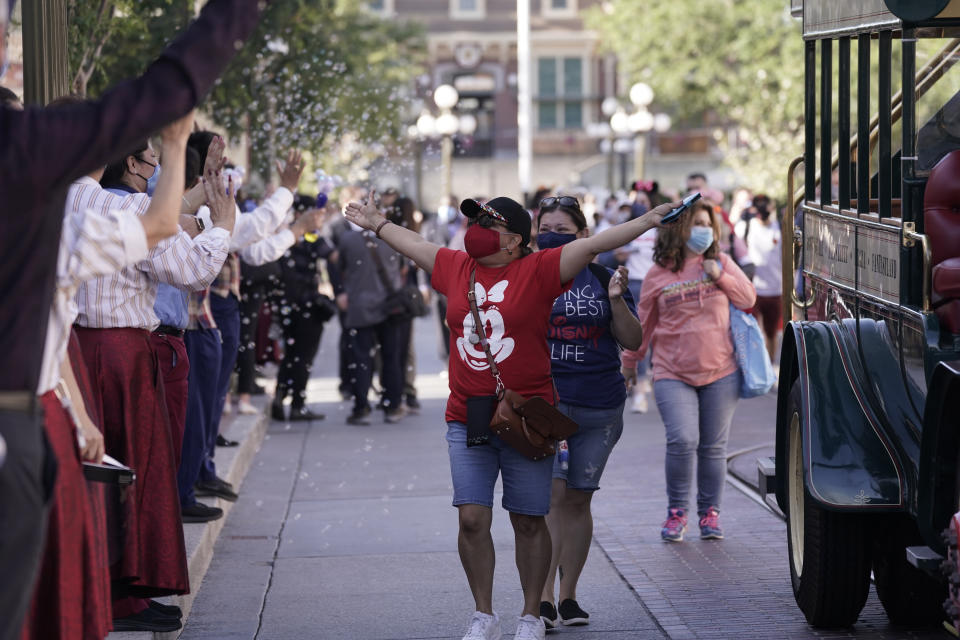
(750, 351)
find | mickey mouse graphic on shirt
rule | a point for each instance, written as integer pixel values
(493, 327)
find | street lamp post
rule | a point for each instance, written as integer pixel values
(445, 125)
(639, 123)
(609, 107)
(446, 97)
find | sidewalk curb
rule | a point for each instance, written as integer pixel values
(201, 538)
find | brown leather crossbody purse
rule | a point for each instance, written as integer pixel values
(531, 426)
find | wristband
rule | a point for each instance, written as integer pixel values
(200, 224)
(379, 227)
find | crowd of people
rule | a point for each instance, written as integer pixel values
(158, 284)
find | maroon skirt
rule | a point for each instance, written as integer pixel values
(136, 431)
(71, 600)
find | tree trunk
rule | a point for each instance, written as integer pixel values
(45, 61)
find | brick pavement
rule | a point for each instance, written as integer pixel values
(735, 588)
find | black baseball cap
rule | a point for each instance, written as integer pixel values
(503, 209)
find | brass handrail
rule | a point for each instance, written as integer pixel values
(910, 237)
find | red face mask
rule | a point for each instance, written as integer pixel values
(480, 242)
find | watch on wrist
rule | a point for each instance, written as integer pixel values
(200, 225)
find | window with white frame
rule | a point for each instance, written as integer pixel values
(468, 9)
(558, 8)
(560, 93)
(380, 7)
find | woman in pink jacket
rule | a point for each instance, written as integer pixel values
(685, 312)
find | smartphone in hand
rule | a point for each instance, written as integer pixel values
(675, 213)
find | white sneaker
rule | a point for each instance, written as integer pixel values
(247, 409)
(644, 386)
(530, 628)
(639, 402)
(483, 626)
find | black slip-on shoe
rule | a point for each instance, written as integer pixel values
(548, 614)
(223, 442)
(216, 488)
(147, 620)
(165, 609)
(199, 512)
(571, 615)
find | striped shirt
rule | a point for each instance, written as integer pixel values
(126, 298)
(92, 244)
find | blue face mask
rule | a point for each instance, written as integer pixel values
(152, 181)
(700, 239)
(551, 240)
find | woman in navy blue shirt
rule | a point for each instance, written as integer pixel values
(588, 326)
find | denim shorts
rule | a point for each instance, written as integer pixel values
(526, 483)
(590, 446)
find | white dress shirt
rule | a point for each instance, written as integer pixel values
(126, 298)
(92, 244)
(260, 223)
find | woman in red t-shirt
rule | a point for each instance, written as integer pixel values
(515, 290)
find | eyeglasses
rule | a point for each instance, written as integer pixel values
(562, 201)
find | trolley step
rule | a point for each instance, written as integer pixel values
(766, 475)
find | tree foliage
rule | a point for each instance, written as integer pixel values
(314, 72)
(725, 63)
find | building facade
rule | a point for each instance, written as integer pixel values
(472, 45)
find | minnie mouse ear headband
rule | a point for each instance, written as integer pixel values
(504, 210)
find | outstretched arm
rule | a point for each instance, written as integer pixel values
(579, 253)
(409, 243)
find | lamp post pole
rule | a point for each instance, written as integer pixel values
(608, 107)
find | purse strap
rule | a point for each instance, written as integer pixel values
(481, 333)
(378, 262)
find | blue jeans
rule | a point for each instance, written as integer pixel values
(526, 483)
(590, 446)
(697, 420)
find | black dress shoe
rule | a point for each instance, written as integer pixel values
(302, 413)
(199, 512)
(360, 418)
(223, 442)
(217, 487)
(413, 405)
(276, 411)
(165, 609)
(147, 620)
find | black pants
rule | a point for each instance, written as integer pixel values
(26, 479)
(363, 341)
(301, 338)
(250, 303)
(345, 354)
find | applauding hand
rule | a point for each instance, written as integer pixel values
(291, 171)
(618, 283)
(220, 199)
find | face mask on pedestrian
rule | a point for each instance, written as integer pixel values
(700, 239)
(153, 176)
(153, 180)
(552, 240)
(447, 214)
(481, 242)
